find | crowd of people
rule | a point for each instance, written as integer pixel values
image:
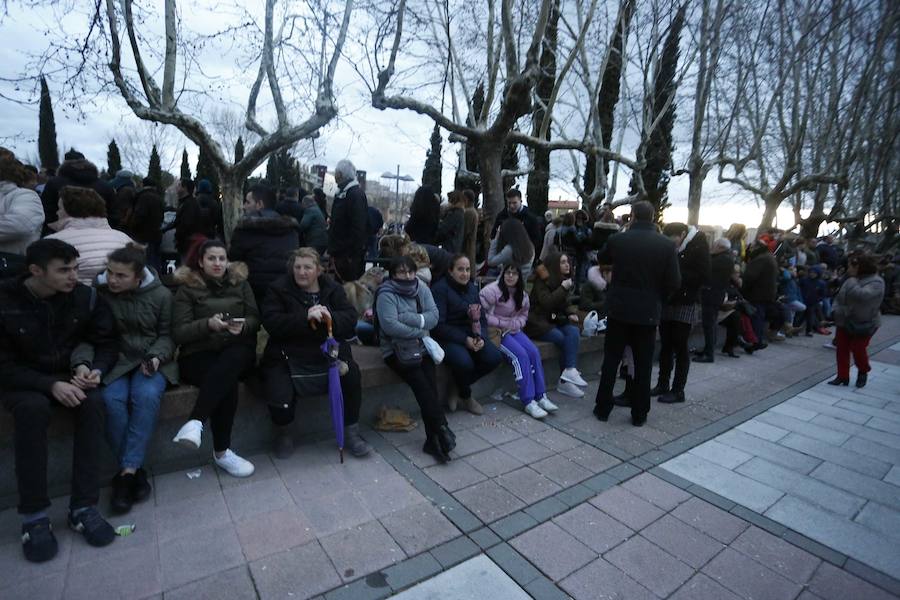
(94, 318)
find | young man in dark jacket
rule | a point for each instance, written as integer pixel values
(645, 270)
(517, 210)
(349, 222)
(79, 172)
(57, 341)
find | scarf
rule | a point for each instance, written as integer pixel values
(408, 288)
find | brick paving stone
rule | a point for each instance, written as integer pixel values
(649, 565)
(808, 429)
(495, 433)
(197, 513)
(561, 470)
(627, 508)
(334, 512)
(412, 571)
(553, 550)
(387, 496)
(454, 475)
(198, 554)
(790, 410)
(831, 583)
(872, 449)
(50, 587)
(528, 485)
(113, 576)
(859, 484)
(556, 440)
(274, 531)
(777, 554)
(301, 572)
(731, 485)
(775, 453)
(413, 451)
(493, 462)
(591, 458)
(468, 443)
(513, 524)
(601, 580)
(525, 425)
(593, 528)
(246, 501)
(227, 585)
(489, 501)
(711, 520)
(360, 550)
(893, 476)
(839, 455)
(631, 444)
(880, 518)
(721, 454)
(827, 409)
(526, 450)
(455, 551)
(419, 527)
(177, 487)
(763, 430)
(749, 579)
(656, 491)
(682, 541)
(701, 587)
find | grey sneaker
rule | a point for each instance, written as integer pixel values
(354, 442)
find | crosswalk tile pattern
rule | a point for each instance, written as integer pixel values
(825, 463)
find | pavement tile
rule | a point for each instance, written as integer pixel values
(593, 528)
(547, 508)
(454, 475)
(528, 485)
(515, 565)
(113, 576)
(777, 554)
(763, 430)
(886, 425)
(656, 491)
(553, 550)
(526, 450)
(561, 470)
(859, 484)
(893, 476)
(308, 482)
(263, 468)
(872, 449)
(455, 551)
(649, 565)
(556, 440)
(818, 432)
(301, 572)
(839, 455)
(720, 480)
(274, 531)
(812, 404)
(235, 584)
(413, 451)
(495, 433)
(709, 519)
(513, 524)
(797, 412)
(525, 425)
(831, 583)
(629, 443)
(199, 554)
(468, 443)
(591, 458)
(721, 454)
(412, 571)
(485, 538)
(493, 462)
(701, 587)
(682, 541)
(361, 550)
(334, 512)
(544, 589)
(750, 579)
(489, 501)
(195, 513)
(775, 453)
(177, 487)
(627, 508)
(601, 580)
(383, 498)
(880, 518)
(246, 501)
(49, 587)
(419, 527)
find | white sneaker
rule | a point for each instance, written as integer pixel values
(234, 465)
(569, 389)
(545, 403)
(189, 434)
(573, 376)
(601, 325)
(534, 410)
(830, 346)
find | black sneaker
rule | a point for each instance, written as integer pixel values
(122, 493)
(142, 488)
(38, 542)
(94, 528)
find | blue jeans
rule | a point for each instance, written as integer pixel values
(566, 338)
(468, 367)
(132, 403)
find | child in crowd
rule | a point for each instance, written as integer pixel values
(813, 289)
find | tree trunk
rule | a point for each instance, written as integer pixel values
(696, 175)
(539, 182)
(490, 154)
(232, 201)
(773, 201)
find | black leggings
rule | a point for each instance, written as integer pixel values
(217, 375)
(423, 382)
(673, 340)
(283, 401)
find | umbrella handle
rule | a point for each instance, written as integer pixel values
(328, 324)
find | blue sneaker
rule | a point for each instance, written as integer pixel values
(92, 526)
(38, 542)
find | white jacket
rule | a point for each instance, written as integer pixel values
(21, 217)
(94, 239)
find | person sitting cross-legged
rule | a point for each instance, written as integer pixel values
(57, 341)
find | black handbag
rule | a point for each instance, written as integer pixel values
(409, 352)
(862, 329)
(309, 378)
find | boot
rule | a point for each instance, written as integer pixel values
(432, 446)
(446, 438)
(624, 399)
(861, 379)
(661, 388)
(354, 442)
(839, 381)
(472, 405)
(283, 442)
(122, 493)
(453, 400)
(672, 397)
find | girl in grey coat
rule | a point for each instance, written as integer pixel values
(406, 311)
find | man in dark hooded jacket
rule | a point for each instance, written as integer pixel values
(77, 171)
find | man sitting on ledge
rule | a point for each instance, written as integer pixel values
(57, 340)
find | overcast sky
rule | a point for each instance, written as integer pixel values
(376, 141)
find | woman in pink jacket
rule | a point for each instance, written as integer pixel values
(505, 304)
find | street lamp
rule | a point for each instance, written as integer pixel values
(398, 178)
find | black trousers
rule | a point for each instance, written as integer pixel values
(711, 300)
(732, 325)
(642, 339)
(31, 413)
(283, 400)
(217, 375)
(673, 347)
(423, 382)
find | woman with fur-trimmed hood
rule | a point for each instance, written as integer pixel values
(215, 322)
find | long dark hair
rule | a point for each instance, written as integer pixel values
(512, 233)
(424, 213)
(519, 292)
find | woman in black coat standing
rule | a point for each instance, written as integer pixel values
(424, 216)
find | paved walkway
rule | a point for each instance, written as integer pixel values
(568, 507)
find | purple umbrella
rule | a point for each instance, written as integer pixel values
(335, 395)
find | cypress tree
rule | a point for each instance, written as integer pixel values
(113, 159)
(205, 170)
(658, 151)
(431, 175)
(238, 150)
(185, 167)
(272, 174)
(48, 151)
(154, 169)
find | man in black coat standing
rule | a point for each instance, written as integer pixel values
(347, 231)
(712, 296)
(645, 270)
(516, 210)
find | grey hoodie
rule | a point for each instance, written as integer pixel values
(399, 318)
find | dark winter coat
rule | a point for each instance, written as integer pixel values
(645, 270)
(813, 289)
(144, 326)
(423, 231)
(550, 302)
(721, 270)
(694, 265)
(760, 280)
(144, 225)
(313, 230)
(531, 223)
(827, 254)
(42, 340)
(80, 173)
(452, 230)
(198, 298)
(197, 215)
(349, 222)
(601, 233)
(284, 315)
(290, 208)
(264, 243)
(453, 301)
